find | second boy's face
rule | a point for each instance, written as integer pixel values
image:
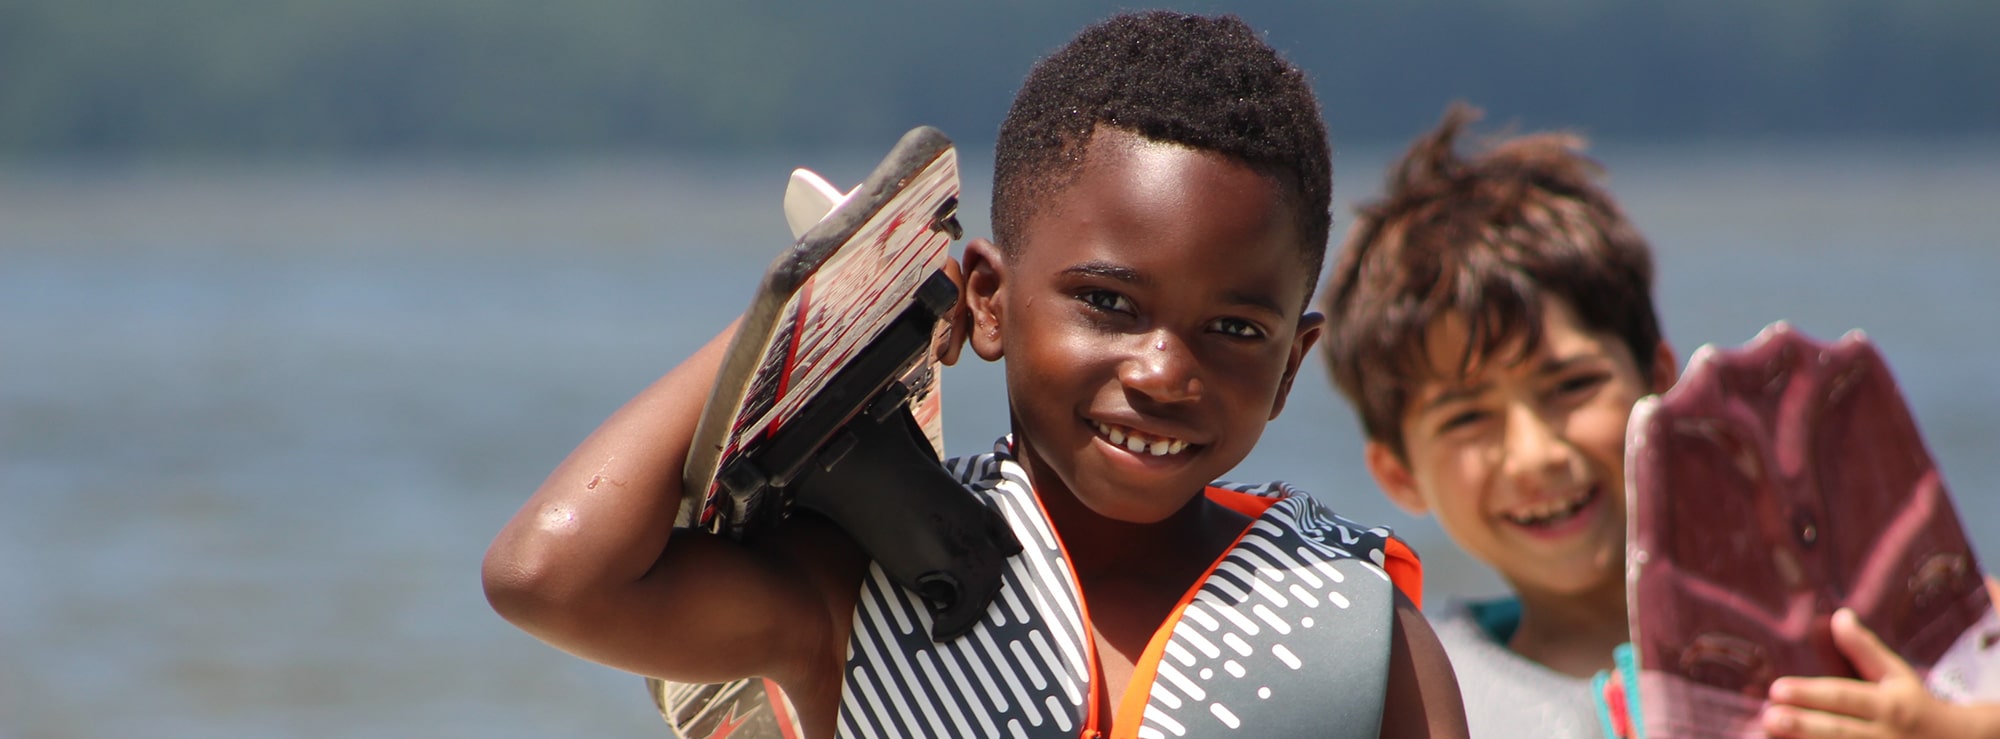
(1522, 460)
(1150, 323)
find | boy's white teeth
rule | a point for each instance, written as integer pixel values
(1552, 511)
(1139, 443)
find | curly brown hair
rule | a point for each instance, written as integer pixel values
(1484, 238)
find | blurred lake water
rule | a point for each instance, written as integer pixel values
(258, 425)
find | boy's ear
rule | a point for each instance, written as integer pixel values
(1310, 326)
(985, 271)
(1666, 367)
(1392, 474)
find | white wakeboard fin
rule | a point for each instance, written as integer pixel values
(808, 198)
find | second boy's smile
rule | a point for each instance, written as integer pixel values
(1521, 457)
(1556, 512)
(1156, 311)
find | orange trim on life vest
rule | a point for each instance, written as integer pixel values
(1402, 564)
(1244, 503)
(1405, 570)
(1139, 691)
(1090, 717)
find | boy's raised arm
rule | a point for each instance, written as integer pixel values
(1422, 698)
(591, 564)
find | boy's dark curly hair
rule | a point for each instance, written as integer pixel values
(1205, 83)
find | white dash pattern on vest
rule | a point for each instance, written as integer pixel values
(1281, 640)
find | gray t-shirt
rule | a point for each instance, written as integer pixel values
(1507, 695)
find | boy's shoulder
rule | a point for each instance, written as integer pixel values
(1317, 522)
(1502, 689)
(1315, 516)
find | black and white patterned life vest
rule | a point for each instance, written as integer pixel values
(1287, 636)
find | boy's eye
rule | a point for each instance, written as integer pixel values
(1238, 328)
(1108, 301)
(1584, 384)
(1461, 419)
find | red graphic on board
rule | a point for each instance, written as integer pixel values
(792, 347)
(728, 725)
(787, 723)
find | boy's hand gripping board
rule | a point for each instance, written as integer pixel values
(827, 399)
(1771, 486)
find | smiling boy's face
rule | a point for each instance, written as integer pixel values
(1151, 324)
(1522, 458)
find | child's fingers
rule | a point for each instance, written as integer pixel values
(1789, 722)
(1872, 660)
(1831, 695)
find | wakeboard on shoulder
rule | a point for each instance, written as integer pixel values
(859, 265)
(828, 400)
(1771, 486)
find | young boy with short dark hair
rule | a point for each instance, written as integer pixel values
(1491, 319)
(1161, 201)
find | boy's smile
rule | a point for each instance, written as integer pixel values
(1522, 459)
(1140, 442)
(1151, 323)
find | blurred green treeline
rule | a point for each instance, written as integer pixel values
(365, 77)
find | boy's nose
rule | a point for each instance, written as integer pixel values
(1162, 368)
(1537, 454)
